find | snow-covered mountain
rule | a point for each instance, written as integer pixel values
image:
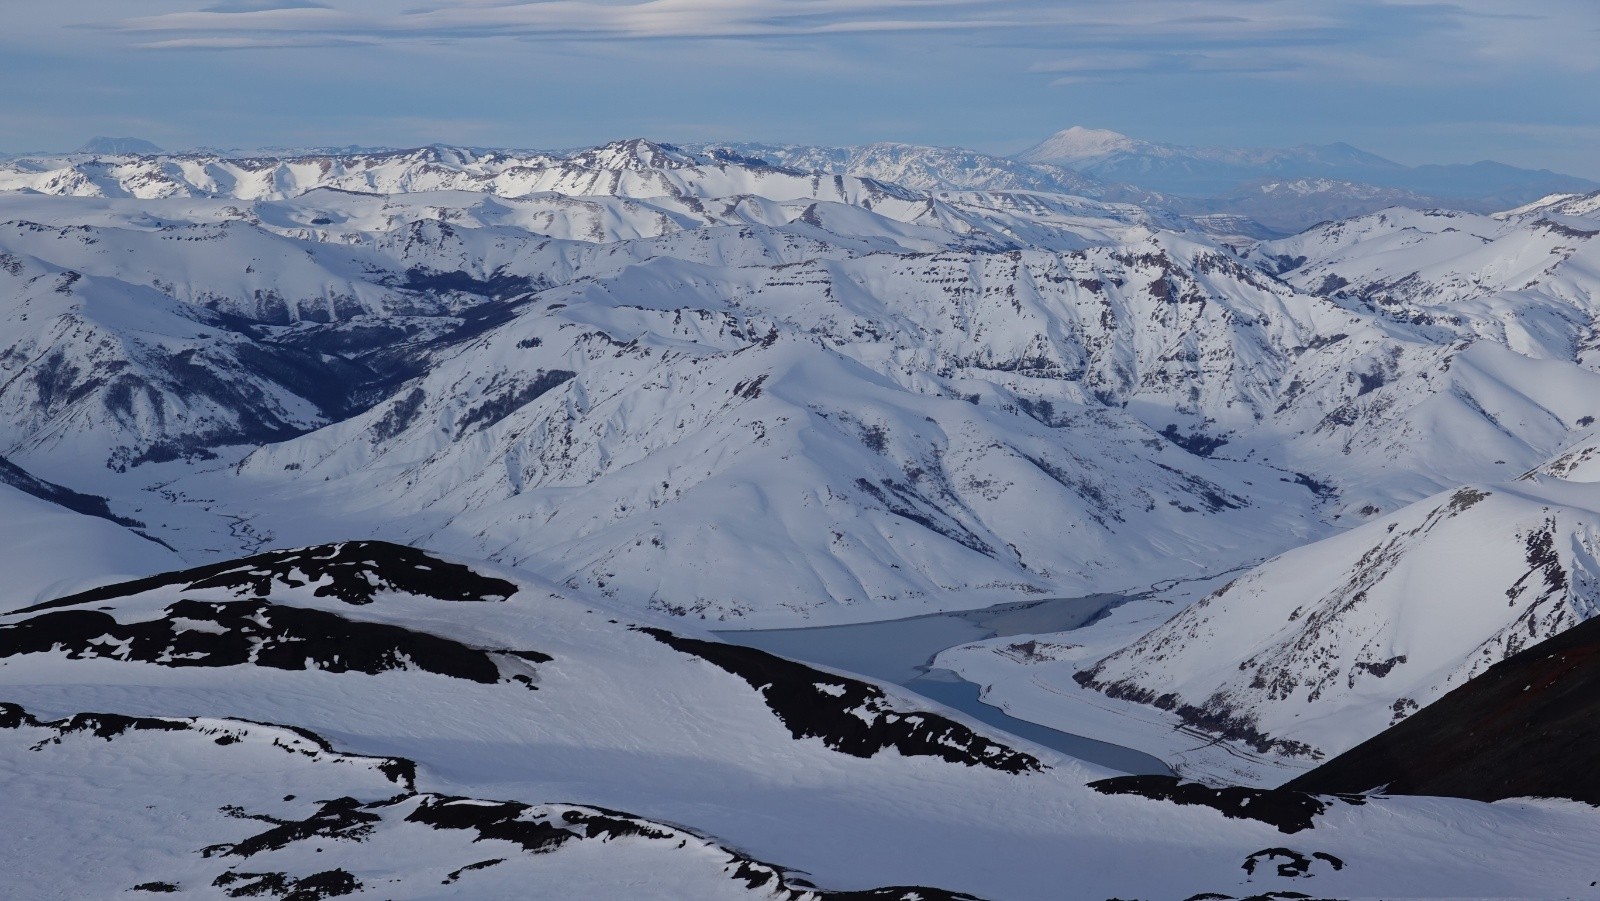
(1200, 170)
(634, 421)
(1508, 733)
(599, 386)
(101, 373)
(634, 168)
(1323, 647)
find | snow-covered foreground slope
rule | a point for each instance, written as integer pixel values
(48, 550)
(494, 687)
(196, 807)
(1325, 646)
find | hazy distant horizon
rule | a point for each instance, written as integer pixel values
(1413, 81)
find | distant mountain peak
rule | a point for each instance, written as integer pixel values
(634, 153)
(1079, 143)
(104, 146)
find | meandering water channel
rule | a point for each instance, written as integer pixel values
(902, 651)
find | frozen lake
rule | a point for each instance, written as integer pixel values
(902, 650)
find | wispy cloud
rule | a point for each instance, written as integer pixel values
(1167, 36)
(255, 6)
(653, 19)
(1090, 67)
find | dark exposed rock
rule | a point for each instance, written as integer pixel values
(110, 726)
(1289, 811)
(535, 829)
(502, 821)
(1519, 729)
(540, 831)
(354, 572)
(1319, 488)
(850, 716)
(1294, 863)
(87, 504)
(1565, 231)
(253, 885)
(903, 501)
(1222, 721)
(500, 406)
(499, 285)
(399, 416)
(480, 865)
(237, 377)
(326, 884)
(341, 818)
(236, 633)
(1200, 444)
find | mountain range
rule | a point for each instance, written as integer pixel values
(368, 512)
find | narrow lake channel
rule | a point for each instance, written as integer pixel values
(902, 651)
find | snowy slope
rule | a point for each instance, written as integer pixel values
(1526, 282)
(98, 372)
(1320, 648)
(49, 550)
(601, 387)
(191, 806)
(506, 690)
(859, 431)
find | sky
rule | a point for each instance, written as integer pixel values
(1413, 80)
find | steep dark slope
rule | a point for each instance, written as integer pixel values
(1526, 727)
(87, 504)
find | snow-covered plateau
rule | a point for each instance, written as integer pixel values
(375, 524)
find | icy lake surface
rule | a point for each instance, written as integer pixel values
(902, 651)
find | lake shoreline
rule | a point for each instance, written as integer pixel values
(902, 652)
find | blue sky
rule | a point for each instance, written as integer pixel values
(1414, 80)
